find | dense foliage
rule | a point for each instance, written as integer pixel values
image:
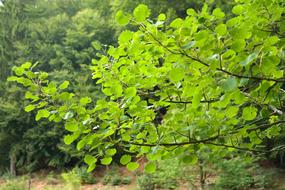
(62, 37)
(209, 83)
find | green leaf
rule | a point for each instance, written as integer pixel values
(132, 166)
(106, 161)
(150, 167)
(125, 159)
(238, 9)
(30, 74)
(188, 45)
(249, 113)
(43, 113)
(125, 36)
(91, 167)
(116, 89)
(24, 81)
(43, 75)
(111, 152)
(176, 23)
(64, 85)
(81, 144)
(232, 111)
(271, 41)
(221, 29)
(68, 139)
(141, 12)
(196, 99)
(96, 45)
(176, 74)
(249, 59)
(12, 78)
(238, 45)
(121, 18)
(26, 65)
(19, 71)
(229, 55)
(29, 108)
(230, 84)
(218, 13)
(89, 159)
(71, 126)
(190, 159)
(68, 115)
(29, 95)
(191, 12)
(85, 100)
(130, 92)
(161, 17)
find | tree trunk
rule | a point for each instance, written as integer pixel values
(13, 164)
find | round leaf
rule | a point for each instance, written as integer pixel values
(141, 12)
(29, 108)
(125, 159)
(150, 167)
(106, 161)
(249, 113)
(132, 166)
(121, 18)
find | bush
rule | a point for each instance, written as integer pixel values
(52, 178)
(15, 184)
(71, 180)
(242, 174)
(263, 179)
(145, 182)
(120, 180)
(126, 180)
(85, 177)
(107, 179)
(114, 178)
(165, 177)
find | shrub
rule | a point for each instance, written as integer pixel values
(15, 184)
(71, 180)
(263, 179)
(126, 180)
(120, 180)
(242, 174)
(114, 178)
(145, 182)
(52, 178)
(107, 179)
(165, 177)
(85, 177)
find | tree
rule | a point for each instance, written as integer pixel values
(62, 37)
(210, 81)
(31, 30)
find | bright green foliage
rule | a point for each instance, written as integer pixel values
(141, 12)
(150, 167)
(121, 18)
(200, 82)
(125, 159)
(238, 173)
(132, 166)
(249, 113)
(106, 161)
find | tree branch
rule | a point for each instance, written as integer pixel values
(175, 144)
(207, 65)
(190, 102)
(266, 126)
